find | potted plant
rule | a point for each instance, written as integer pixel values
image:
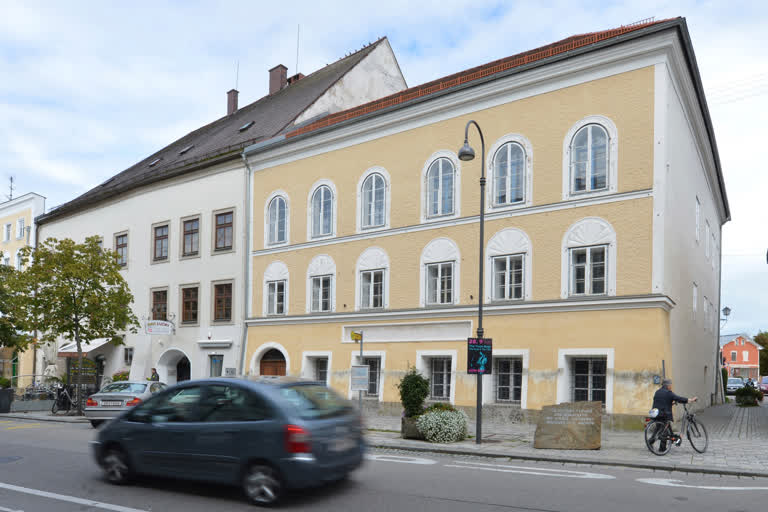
(6, 395)
(414, 389)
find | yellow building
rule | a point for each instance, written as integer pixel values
(17, 217)
(602, 171)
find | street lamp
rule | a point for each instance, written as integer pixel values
(466, 154)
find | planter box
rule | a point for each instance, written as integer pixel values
(409, 430)
(6, 397)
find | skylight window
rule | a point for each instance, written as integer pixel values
(154, 162)
(186, 149)
(246, 126)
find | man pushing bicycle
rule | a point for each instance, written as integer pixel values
(663, 400)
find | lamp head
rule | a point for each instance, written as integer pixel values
(466, 153)
(726, 311)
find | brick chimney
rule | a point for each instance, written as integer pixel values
(278, 78)
(295, 78)
(232, 101)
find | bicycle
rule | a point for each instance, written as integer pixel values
(659, 437)
(63, 402)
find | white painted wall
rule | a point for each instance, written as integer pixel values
(374, 77)
(135, 212)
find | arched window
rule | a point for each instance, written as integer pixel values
(509, 174)
(589, 159)
(440, 261)
(374, 201)
(440, 188)
(277, 214)
(372, 289)
(589, 259)
(322, 211)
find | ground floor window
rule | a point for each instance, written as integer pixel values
(128, 356)
(217, 362)
(589, 379)
(440, 378)
(509, 378)
(321, 369)
(374, 370)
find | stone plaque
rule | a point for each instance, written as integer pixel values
(571, 426)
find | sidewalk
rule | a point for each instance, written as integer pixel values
(738, 444)
(44, 416)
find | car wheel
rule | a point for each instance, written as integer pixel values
(96, 423)
(262, 485)
(114, 461)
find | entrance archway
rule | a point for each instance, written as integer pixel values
(174, 366)
(272, 364)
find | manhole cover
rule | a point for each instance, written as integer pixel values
(7, 460)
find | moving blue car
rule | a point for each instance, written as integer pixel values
(267, 436)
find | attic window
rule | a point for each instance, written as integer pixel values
(246, 126)
(154, 162)
(186, 149)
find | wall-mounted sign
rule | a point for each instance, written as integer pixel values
(359, 377)
(230, 372)
(158, 327)
(479, 355)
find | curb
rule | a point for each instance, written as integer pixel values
(61, 419)
(577, 460)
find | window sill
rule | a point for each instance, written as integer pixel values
(511, 405)
(223, 322)
(270, 245)
(321, 237)
(223, 251)
(189, 256)
(159, 262)
(589, 193)
(189, 324)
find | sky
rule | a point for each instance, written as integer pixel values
(89, 88)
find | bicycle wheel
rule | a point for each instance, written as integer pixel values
(656, 438)
(697, 435)
(55, 407)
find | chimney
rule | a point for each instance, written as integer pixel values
(278, 78)
(232, 101)
(295, 78)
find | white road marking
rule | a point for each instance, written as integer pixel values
(71, 499)
(529, 471)
(3, 509)
(398, 458)
(668, 482)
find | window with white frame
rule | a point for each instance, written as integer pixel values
(440, 378)
(439, 283)
(7, 232)
(588, 270)
(733, 355)
(372, 289)
(706, 313)
(695, 299)
(440, 188)
(277, 213)
(322, 211)
(18, 261)
(698, 219)
(706, 238)
(714, 250)
(509, 174)
(321, 369)
(508, 277)
(589, 159)
(128, 356)
(374, 201)
(589, 379)
(374, 371)
(321, 294)
(745, 356)
(276, 297)
(20, 228)
(6, 260)
(509, 378)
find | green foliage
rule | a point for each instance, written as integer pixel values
(762, 340)
(443, 426)
(120, 376)
(440, 406)
(414, 389)
(724, 374)
(11, 325)
(5, 383)
(748, 396)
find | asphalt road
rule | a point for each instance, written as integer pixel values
(48, 467)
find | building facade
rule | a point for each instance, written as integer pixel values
(17, 218)
(602, 172)
(740, 356)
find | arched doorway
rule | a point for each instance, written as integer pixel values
(183, 370)
(272, 364)
(174, 366)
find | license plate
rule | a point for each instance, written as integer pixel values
(111, 403)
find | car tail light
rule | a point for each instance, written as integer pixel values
(132, 402)
(91, 403)
(297, 440)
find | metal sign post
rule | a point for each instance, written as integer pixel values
(358, 336)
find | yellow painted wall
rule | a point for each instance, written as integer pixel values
(10, 247)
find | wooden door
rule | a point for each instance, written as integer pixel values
(272, 368)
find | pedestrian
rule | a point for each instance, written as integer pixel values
(154, 377)
(662, 400)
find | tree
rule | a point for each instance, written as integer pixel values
(74, 291)
(762, 340)
(11, 327)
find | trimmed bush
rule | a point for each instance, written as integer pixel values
(440, 406)
(748, 396)
(414, 389)
(119, 376)
(443, 426)
(4, 383)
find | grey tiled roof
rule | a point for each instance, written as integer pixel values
(221, 139)
(730, 337)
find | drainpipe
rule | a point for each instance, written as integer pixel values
(246, 262)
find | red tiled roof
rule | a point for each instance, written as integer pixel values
(475, 73)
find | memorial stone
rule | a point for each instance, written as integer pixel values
(571, 426)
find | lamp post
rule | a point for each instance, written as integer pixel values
(466, 154)
(718, 356)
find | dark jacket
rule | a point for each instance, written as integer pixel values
(662, 400)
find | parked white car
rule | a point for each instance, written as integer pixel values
(733, 384)
(116, 397)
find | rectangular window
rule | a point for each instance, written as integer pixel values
(508, 277)
(589, 378)
(222, 302)
(321, 369)
(276, 298)
(733, 355)
(224, 223)
(706, 313)
(216, 364)
(695, 299)
(160, 252)
(372, 289)
(321, 294)
(128, 356)
(20, 228)
(374, 370)
(160, 305)
(440, 283)
(7, 233)
(698, 219)
(121, 248)
(509, 378)
(588, 270)
(189, 304)
(744, 356)
(706, 238)
(440, 378)
(191, 244)
(714, 250)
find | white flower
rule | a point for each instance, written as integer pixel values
(443, 426)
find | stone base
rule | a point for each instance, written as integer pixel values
(409, 430)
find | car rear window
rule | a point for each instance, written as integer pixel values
(123, 387)
(765, 380)
(734, 381)
(314, 402)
